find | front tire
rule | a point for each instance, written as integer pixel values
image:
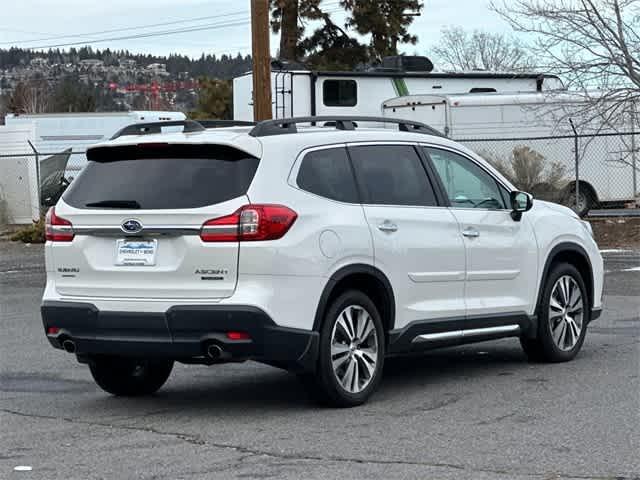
(351, 355)
(130, 376)
(563, 316)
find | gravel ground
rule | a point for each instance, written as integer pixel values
(477, 412)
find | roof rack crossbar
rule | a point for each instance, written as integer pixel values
(284, 126)
(189, 126)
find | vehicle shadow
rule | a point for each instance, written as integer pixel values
(230, 390)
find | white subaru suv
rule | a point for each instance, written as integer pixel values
(318, 249)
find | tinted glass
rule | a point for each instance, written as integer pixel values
(327, 173)
(466, 184)
(340, 93)
(392, 175)
(161, 183)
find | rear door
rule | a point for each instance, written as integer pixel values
(137, 214)
(417, 243)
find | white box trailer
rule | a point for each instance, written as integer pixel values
(494, 124)
(298, 93)
(19, 202)
(57, 132)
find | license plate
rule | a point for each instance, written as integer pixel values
(140, 253)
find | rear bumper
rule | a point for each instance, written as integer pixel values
(180, 333)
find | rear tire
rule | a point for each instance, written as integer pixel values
(130, 377)
(586, 200)
(563, 316)
(351, 352)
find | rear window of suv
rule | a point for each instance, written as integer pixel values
(327, 173)
(161, 177)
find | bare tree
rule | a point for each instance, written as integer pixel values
(32, 96)
(593, 45)
(459, 50)
(4, 107)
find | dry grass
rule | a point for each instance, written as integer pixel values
(33, 233)
(617, 232)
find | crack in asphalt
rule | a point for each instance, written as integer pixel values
(249, 452)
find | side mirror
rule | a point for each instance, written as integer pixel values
(520, 202)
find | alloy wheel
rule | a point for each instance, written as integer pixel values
(566, 313)
(354, 349)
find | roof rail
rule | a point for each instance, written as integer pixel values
(226, 123)
(284, 126)
(189, 126)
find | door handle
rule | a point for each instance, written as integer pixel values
(388, 226)
(471, 232)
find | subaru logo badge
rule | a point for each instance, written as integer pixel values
(131, 226)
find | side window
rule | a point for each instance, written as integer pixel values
(340, 93)
(392, 175)
(327, 173)
(466, 184)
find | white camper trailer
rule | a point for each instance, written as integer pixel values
(306, 92)
(606, 162)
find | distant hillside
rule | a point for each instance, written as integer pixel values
(85, 79)
(224, 66)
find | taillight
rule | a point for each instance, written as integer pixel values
(57, 229)
(250, 223)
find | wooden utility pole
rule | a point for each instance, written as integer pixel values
(261, 60)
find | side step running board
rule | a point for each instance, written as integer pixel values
(474, 332)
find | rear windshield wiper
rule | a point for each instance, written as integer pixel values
(132, 204)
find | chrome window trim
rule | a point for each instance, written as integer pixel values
(295, 169)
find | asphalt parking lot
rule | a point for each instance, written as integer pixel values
(477, 412)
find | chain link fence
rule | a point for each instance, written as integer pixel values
(31, 181)
(581, 171)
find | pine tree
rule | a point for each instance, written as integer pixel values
(333, 46)
(284, 20)
(387, 21)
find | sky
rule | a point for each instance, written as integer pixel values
(223, 26)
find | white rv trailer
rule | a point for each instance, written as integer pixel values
(606, 162)
(306, 92)
(57, 132)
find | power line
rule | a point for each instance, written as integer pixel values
(195, 28)
(123, 29)
(332, 4)
(213, 26)
(5, 29)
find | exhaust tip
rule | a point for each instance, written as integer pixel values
(69, 346)
(214, 352)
